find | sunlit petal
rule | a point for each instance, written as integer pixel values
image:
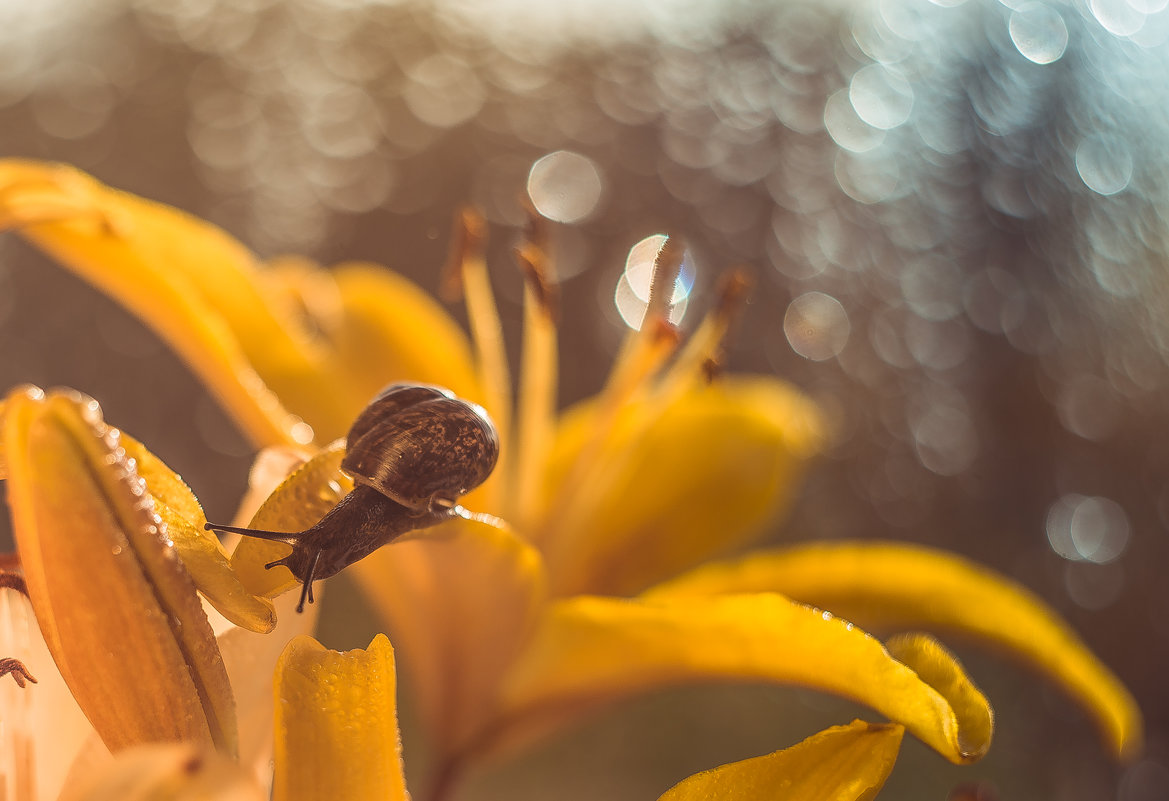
(459, 602)
(844, 763)
(300, 501)
(188, 280)
(198, 549)
(250, 659)
(884, 585)
(173, 771)
(704, 474)
(589, 650)
(390, 330)
(337, 724)
(100, 570)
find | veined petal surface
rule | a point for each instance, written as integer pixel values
(592, 650)
(119, 612)
(674, 484)
(888, 585)
(337, 724)
(844, 763)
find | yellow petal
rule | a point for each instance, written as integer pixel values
(166, 772)
(200, 550)
(301, 500)
(589, 650)
(459, 603)
(250, 659)
(704, 474)
(337, 724)
(118, 611)
(392, 331)
(885, 585)
(844, 763)
(194, 285)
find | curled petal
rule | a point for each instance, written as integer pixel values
(171, 771)
(460, 602)
(200, 550)
(337, 724)
(886, 585)
(673, 485)
(193, 284)
(118, 611)
(844, 763)
(589, 650)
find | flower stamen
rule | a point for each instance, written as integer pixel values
(539, 369)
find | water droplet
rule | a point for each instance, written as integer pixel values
(1104, 163)
(564, 186)
(1087, 529)
(1039, 33)
(881, 96)
(846, 128)
(1117, 16)
(816, 326)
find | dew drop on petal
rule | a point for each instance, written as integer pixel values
(564, 186)
(1104, 163)
(816, 326)
(1039, 33)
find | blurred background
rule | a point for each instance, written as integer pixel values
(954, 211)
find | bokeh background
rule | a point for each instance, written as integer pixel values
(955, 213)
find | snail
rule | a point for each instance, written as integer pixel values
(412, 452)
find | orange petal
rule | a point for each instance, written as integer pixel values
(887, 585)
(118, 611)
(189, 281)
(459, 602)
(703, 474)
(844, 763)
(337, 724)
(592, 650)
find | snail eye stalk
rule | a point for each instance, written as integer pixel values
(412, 453)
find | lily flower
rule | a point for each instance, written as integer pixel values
(509, 632)
(113, 557)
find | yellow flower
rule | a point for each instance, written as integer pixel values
(508, 633)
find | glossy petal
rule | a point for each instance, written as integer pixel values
(390, 330)
(590, 650)
(166, 772)
(337, 724)
(902, 586)
(189, 281)
(200, 551)
(459, 601)
(676, 484)
(118, 611)
(844, 763)
(301, 500)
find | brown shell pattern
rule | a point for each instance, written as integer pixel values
(417, 444)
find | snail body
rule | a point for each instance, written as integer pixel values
(412, 453)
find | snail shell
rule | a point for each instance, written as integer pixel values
(421, 446)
